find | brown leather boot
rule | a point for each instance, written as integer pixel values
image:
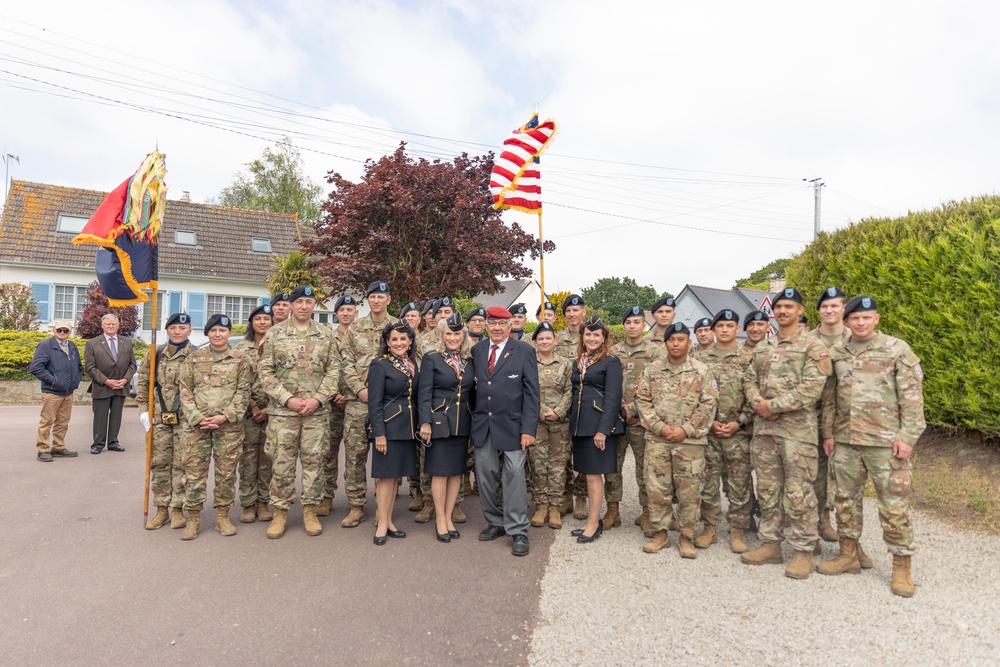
(611, 518)
(353, 518)
(580, 508)
(222, 523)
(826, 531)
(457, 515)
(555, 517)
(325, 507)
(845, 561)
(541, 514)
(177, 519)
(766, 553)
(658, 541)
(193, 525)
(737, 541)
(159, 519)
(417, 503)
(801, 565)
(567, 504)
(687, 549)
(647, 528)
(707, 538)
(249, 514)
(312, 525)
(864, 559)
(277, 527)
(902, 580)
(427, 513)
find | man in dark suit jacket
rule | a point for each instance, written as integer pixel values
(505, 421)
(110, 364)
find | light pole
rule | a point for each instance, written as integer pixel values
(7, 157)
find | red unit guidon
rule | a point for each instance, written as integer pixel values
(516, 181)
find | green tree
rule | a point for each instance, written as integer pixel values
(761, 278)
(275, 183)
(614, 295)
(18, 311)
(289, 272)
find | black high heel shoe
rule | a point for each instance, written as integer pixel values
(454, 534)
(379, 541)
(443, 537)
(576, 532)
(398, 534)
(583, 539)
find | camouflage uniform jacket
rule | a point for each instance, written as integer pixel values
(729, 368)
(168, 370)
(827, 390)
(655, 337)
(566, 344)
(878, 393)
(257, 395)
(297, 364)
(358, 348)
(338, 337)
(789, 373)
(635, 359)
(554, 386)
(216, 383)
(683, 395)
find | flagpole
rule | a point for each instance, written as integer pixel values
(149, 403)
(541, 259)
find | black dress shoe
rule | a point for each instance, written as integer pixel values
(45, 457)
(584, 539)
(520, 547)
(398, 534)
(576, 532)
(443, 537)
(379, 541)
(491, 533)
(115, 447)
(63, 452)
(96, 449)
(454, 534)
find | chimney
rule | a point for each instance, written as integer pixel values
(185, 196)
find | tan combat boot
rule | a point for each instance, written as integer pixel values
(159, 519)
(325, 507)
(707, 538)
(673, 522)
(766, 553)
(249, 514)
(263, 511)
(845, 561)
(417, 503)
(193, 525)
(738, 541)
(658, 541)
(826, 530)
(864, 559)
(611, 518)
(177, 519)
(457, 515)
(580, 508)
(467, 484)
(277, 527)
(801, 565)
(567, 504)
(222, 523)
(555, 517)
(687, 549)
(647, 528)
(818, 549)
(309, 520)
(902, 581)
(354, 517)
(540, 516)
(425, 514)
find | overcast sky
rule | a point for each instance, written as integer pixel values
(685, 130)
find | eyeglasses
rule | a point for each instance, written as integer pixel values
(62, 330)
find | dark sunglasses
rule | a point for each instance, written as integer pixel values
(62, 330)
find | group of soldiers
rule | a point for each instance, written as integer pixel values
(795, 409)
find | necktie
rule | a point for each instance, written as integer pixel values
(114, 348)
(493, 357)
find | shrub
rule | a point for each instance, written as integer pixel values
(18, 347)
(18, 310)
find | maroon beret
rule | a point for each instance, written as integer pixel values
(498, 313)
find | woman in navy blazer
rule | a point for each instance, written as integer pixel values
(594, 414)
(392, 393)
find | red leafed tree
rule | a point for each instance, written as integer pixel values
(426, 228)
(96, 307)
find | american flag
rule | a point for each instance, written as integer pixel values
(515, 181)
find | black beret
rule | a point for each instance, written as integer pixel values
(302, 292)
(408, 307)
(665, 301)
(859, 304)
(263, 309)
(572, 300)
(594, 323)
(346, 300)
(703, 322)
(377, 287)
(455, 322)
(633, 311)
(277, 298)
(218, 320)
(830, 293)
(676, 328)
(428, 306)
(755, 316)
(178, 318)
(518, 309)
(547, 306)
(787, 294)
(476, 312)
(803, 319)
(726, 315)
(544, 326)
(441, 303)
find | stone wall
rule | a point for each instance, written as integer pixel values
(29, 392)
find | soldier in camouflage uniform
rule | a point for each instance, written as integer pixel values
(870, 424)
(636, 352)
(166, 465)
(519, 313)
(727, 457)
(280, 307)
(756, 325)
(346, 308)
(255, 464)
(300, 372)
(358, 347)
(552, 445)
(215, 390)
(706, 338)
(567, 342)
(783, 383)
(550, 313)
(476, 323)
(663, 316)
(677, 400)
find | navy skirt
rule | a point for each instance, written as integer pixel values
(446, 456)
(589, 460)
(399, 460)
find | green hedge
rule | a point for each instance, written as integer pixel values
(18, 347)
(936, 277)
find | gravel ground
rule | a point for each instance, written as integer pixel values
(608, 603)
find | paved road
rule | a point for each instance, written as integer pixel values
(82, 583)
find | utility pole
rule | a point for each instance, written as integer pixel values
(7, 157)
(817, 195)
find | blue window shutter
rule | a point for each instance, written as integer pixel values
(263, 301)
(196, 308)
(175, 303)
(42, 294)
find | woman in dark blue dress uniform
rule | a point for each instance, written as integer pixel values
(594, 414)
(445, 416)
(392, 394)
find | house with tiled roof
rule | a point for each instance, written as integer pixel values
(212, 259)
(523, 290)
(695, 302)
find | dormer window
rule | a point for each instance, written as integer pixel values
(182, 237)
(260, 245)
(70, 224)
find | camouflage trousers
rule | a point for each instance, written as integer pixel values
(547, 463)
(292, 439)
(786, 470)
(355, 452)
(255, 466)
(674, 468)
(822, 485)
(893, 481)
(711, 499)
(331, 466)
(733, 469)
(225, 445)
(166, 466)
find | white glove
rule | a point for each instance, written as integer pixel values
(144, 420)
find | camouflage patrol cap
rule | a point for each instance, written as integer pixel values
(346, 300)
(675, 329)
(787, 294)
(443, 302)
(543, 327)
(859, 304)
(703, 323)
(660, 303)
(633, 311)
(725, 315)
(572, 300)
(830, 293)
(218, 320)
(755, 316)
